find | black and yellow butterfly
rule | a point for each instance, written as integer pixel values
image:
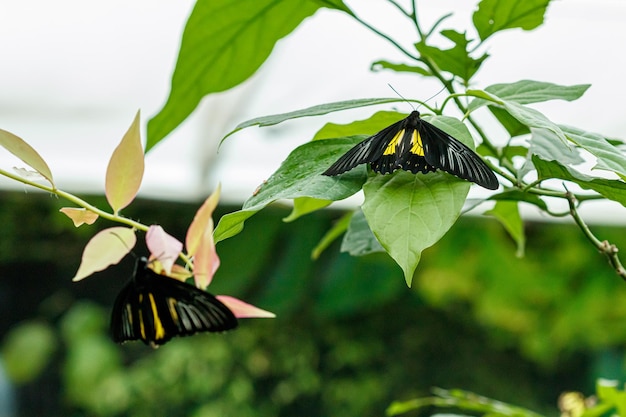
(154, 308)
(417, 146)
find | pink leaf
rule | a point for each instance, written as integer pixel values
(79, 216)
(125, 169)
(106, 248)
(243, 310)
(202, 221)
(26, 153)
(163, 247)
(206, 261)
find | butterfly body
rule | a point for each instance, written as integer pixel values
(415, 145)
(154, 308)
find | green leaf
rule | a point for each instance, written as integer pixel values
(333, 233)
(359, 239)
(527, 92)
(231, 224)
(507, 213)
(334, 4)
(411, 212)
(382, 65)
(374, 124)
(455, 60)
(496, 15)
(18, 147)
(224, 43)
(532, 118)
(300, 176)
(546, 144)
(612, 189)
(609, 157)
(305, 205)
(510, 123)
(311, 111)
(530, 91)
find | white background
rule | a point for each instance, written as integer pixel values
(73, 73)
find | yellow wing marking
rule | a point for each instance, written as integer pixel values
(416, 143)
(391, 146)
(171, 303)
(142, 329)
(159, 331)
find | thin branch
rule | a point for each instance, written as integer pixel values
(385, 36)
(76, 200)
(605, 247)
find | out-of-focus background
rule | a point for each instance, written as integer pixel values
(350, 337)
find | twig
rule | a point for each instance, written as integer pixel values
(605, 247)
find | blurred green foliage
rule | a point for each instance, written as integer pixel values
(349, 338)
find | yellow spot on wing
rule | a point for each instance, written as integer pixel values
(416, 144)
(391, 146)
(159, 331)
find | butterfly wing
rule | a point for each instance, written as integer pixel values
(154, 308)
(371, 150)
(444, 152)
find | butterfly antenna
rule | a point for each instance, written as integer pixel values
(401, 96)
(435, 95)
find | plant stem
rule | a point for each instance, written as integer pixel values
(605, 247)
(76, 200)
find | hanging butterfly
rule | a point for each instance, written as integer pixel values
(154, 308)
(415, 145)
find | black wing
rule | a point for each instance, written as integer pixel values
(154, 308)
(448, 154)
(371, 151)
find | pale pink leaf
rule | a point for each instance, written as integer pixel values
(163, 247)
(202, 221)
(106, 248)
(26, 153)
(125, 170)
(206, 261)
(79, 216)
(243, 310)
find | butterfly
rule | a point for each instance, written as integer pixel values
(415, 145)
(154, 308)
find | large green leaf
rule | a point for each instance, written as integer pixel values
(496, 15)
(455, 60)
(411, 212)
(300, 176)
(224, 43)
(612, 189)
(609, 157)
(318, 110)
